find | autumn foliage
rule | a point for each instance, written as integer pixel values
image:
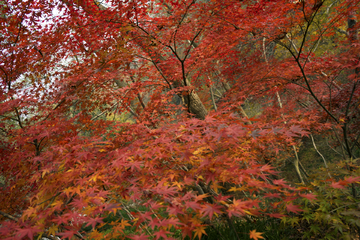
(184, 109)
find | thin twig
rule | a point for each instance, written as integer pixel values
(326, 166)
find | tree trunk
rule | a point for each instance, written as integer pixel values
(196, 106)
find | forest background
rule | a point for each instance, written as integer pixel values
(205, 119)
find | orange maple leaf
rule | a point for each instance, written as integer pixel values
(199, 231)
(255, 235)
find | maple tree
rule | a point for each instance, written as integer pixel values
(105, 105)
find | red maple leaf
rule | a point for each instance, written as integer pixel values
(143, 236)
(193, 205)
(29, 232)
(154, 222)
(210, 209)
(310, 196)
(68, 234)
(293, 208)
(280, 182)
(170, 221)
(276, 215)
(338, 185)
(352, 179)
(165, 190)
(161, 233)
(298, 130)
(93, 221)
(234, 212)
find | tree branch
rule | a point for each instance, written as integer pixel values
(8, 216)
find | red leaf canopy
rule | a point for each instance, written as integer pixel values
(167, 105)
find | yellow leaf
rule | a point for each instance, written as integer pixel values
(247, 212)
(40, 236)
(95, 235)
(196, 221)
(199, 150)
(179, 185)
(199, 231)
(234, 189)
(52, 230)
(172, 176)
(216, 186)
(124, 223)
(40, 222)
(67, 191)
(57, 203)
(77, 189)
(121, 226)
(255, 235)
(44, 172)
(93, 178)
(29, 212)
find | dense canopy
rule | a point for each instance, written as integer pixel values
(172, 116)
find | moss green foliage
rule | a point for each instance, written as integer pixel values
(271, 229)
(334, 214)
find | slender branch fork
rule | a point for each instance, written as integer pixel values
(309, 88)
